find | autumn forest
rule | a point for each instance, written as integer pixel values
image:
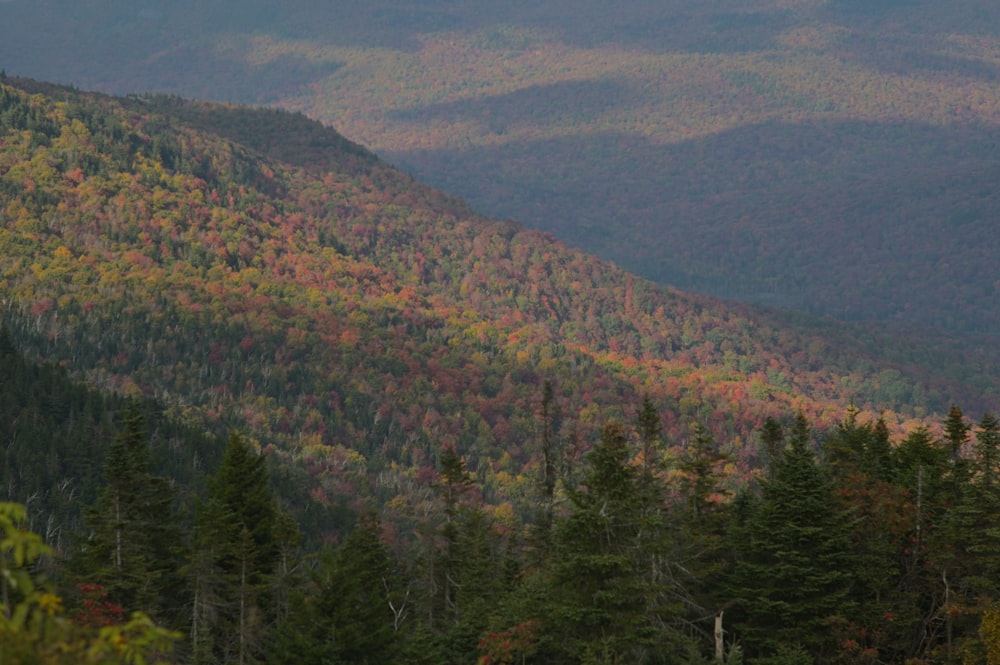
(266, 399)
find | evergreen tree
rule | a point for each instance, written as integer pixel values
(793, 572)
(972, 533)
(133, 548)
(346, 618)
(650, 430)
(956, 437)
(772, 439)
(604, 608)
(461, 572)
(987, 452)
(234, 558)
(844, 449)
(878, 452)
(697, 537)
(956, 431)
(540, 534)
(921, 467)
(699, 464)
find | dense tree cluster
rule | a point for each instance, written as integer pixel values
(844, 547)
(253, 266)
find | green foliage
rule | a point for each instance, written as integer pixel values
(233, 560)
(133, 545)
(605, 609)
(794, 561)
(34, 629)
(347, 615)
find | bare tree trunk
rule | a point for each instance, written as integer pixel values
(720, 645)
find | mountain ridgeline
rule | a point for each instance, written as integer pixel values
(831, 156)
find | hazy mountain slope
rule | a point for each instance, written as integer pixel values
(358, 321)
(836, 156)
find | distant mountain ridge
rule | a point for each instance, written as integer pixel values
(834, 156)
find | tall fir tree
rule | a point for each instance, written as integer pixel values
(346, 616)
(234, 558)
(698, 523)
(772, 441)
(793, 570)
(540, 531)
(974, 531)
(133, 548)
(987, 452)
(604, 608)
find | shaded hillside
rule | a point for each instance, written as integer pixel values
(357, 321)
(56, 433)
(840, 218)
(835, 156)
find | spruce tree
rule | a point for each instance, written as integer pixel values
(346, 616)
(793, 572)
(604, 608)
(697, 537)
(772, 440)
(234, 558)
(878, 452)
(974, 524)
(539, 535)
(462, 570)
(987, 452)
(956, 431)
(134, 547)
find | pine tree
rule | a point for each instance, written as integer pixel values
(346, 616)
(234, 558)
(133, 548)
(794, 570)
(604, 608)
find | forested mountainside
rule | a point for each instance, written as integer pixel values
(846, 547)
(253, 267)
(548, 459)
(833, 156)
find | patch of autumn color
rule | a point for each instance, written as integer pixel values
(349, 336)
(510, 646)
(97, 610)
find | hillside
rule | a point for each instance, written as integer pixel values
(832, 156)
(253, 269)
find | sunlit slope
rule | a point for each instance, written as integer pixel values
(772, 151)
(254, 268)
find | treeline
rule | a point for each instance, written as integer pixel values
(845, 547)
